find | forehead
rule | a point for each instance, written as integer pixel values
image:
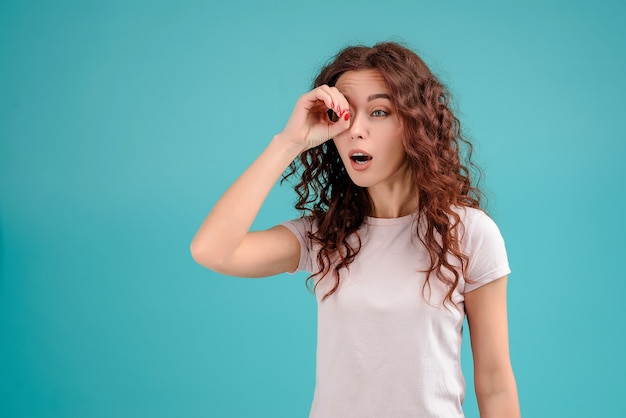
(361, 83)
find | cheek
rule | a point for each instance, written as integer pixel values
(342, 137)
(337, 144)
(397, 153)
(340, 149)
(341, 144)
(394, 143)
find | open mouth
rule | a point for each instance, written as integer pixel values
(360, 158)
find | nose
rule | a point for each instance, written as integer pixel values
(358, 129)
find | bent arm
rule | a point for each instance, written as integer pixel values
(496, 390)
(223, 242)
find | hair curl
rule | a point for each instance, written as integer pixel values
(438, 155)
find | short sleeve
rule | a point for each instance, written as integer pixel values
(301, 228)
(484, 245)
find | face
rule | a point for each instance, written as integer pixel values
(371, 149)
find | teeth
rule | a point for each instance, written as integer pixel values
(360, 158)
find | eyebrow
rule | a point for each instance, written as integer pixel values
(378, 96)
(373, 97)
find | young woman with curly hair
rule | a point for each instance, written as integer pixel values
(392, 234)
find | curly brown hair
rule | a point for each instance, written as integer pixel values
(439, 158)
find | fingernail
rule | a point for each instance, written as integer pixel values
(347, 116)
(332, 104)
(341, 113)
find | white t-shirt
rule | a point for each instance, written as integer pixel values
(384, 349)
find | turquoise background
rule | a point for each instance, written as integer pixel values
(122, 122)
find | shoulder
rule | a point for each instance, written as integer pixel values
(476, 223)
(301, 227)
(482, 242)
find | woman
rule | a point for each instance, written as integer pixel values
(397, 246)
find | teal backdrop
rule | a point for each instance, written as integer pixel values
(122, 122)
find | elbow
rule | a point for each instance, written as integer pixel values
(203, 256)
(196, 252)
(495, 385)
(497, 397)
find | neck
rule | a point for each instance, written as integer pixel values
(394, 200)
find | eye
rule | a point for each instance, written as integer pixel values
(379, 113)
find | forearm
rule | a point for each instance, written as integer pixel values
(232, 216)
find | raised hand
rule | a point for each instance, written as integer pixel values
(317, 116)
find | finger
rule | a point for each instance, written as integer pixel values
(317, 95)
(339, 106)
(342, 105)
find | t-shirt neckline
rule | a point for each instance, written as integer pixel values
(402, 220)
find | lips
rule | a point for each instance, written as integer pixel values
(359, 159)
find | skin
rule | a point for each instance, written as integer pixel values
(368, 122)
(376, 130)
(494, 381)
